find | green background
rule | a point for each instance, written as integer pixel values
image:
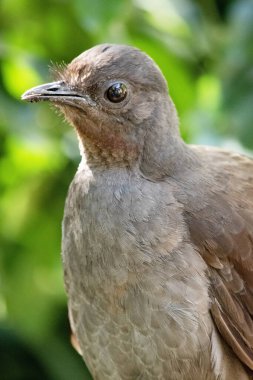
(204, 48)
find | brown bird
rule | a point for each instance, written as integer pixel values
(157, 235)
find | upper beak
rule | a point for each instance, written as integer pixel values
(57, 92)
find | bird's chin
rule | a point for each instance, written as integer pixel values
(77, 103)
(70, 109)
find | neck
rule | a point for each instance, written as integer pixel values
(156, 148)
(165, 153)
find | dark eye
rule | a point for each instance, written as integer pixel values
(117, 92)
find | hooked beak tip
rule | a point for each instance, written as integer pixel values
(42, 92)
(29, 97)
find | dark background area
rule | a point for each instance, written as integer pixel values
(205, 50)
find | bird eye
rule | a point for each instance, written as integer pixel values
(117, 92)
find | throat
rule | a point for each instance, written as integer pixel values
(103, 144)
(108, 150)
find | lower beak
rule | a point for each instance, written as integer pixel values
(57, 92)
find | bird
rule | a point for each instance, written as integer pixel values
(157, 234)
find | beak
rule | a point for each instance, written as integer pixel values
(59, 93)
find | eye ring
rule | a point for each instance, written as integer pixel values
(117, 92)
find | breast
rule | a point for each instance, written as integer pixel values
(132, 278)
(116, 219)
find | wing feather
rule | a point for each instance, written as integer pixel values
(222, 230)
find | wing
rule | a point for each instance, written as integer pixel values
(220, 222)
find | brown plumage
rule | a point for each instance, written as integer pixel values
(157, 234)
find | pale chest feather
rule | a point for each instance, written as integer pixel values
(137, 290)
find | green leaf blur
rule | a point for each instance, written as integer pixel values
(204, 49)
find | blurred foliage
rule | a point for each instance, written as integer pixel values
(204, 49)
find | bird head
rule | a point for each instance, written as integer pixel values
(113, 95)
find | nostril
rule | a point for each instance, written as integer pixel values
(53, 88)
